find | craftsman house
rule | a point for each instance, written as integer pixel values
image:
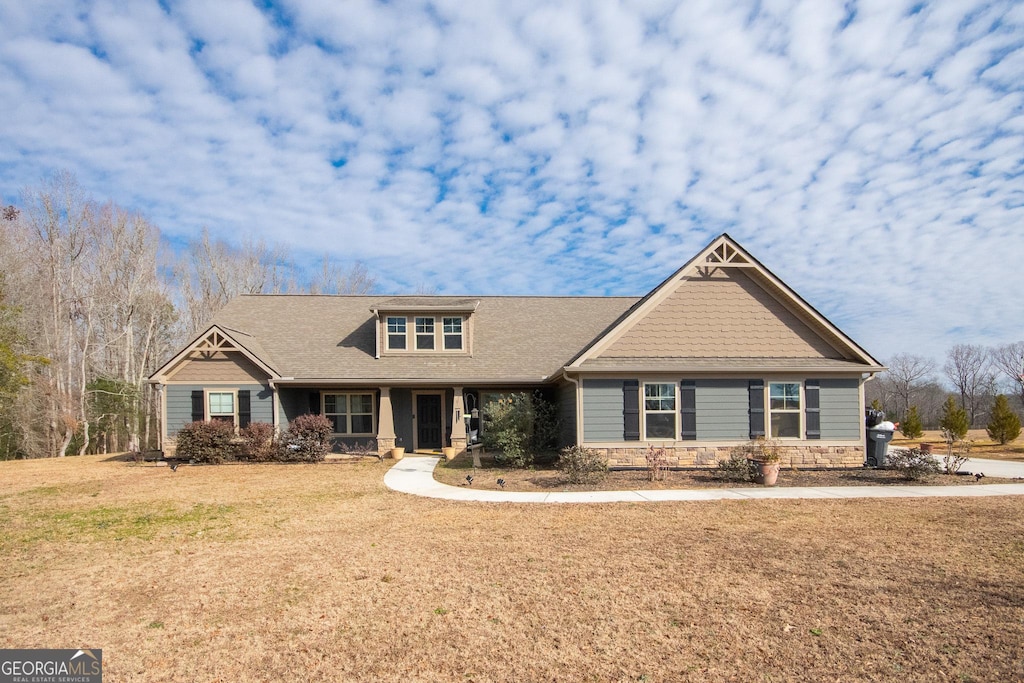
(719, 353)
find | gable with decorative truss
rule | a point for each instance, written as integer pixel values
(724, 304)
(215, 356)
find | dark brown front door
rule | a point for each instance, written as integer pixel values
(428, 421)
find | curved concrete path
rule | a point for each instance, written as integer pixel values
(415, 475)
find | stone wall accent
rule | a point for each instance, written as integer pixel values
(384, 446)
(799, 456)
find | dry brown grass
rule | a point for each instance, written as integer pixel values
(317, 572)
(983, 447)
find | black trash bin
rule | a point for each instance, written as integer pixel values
(878, 446)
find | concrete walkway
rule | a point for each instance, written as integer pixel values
(415, 475)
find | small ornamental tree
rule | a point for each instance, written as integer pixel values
(1004, 426)
(954, 419)
(911, 425)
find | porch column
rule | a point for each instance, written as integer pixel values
(385, 423)
(458, 423)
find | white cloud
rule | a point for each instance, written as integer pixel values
(872, 160)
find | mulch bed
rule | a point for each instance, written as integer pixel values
(549, 479)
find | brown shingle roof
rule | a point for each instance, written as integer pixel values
(516, 339)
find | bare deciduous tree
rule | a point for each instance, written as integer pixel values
(1008, 359)
(214, 272)
(968, 368)
(335, 279)
(907, 373)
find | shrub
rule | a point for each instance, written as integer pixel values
(206, 442)
(740, 466)
(545, 423)
(911, 425)
(957, 451)
(1004, 426)
(258, 443)
(307, 439)
(913, 463)
(581, 465)
(657, 461)
(954, 419)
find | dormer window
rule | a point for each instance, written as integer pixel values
(425, 325)
(396, 332)
(424, 334)
(453, 334)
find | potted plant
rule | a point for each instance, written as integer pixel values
(398, 452)
(767, 456)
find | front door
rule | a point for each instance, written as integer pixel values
(428, 421)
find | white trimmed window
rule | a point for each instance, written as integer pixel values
(220, 406)
(424, 333)
(350, 413)
(396, 332)
(659, 411)
(452, 328)
(784, 408)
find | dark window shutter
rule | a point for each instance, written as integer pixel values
(631, 410)
(688, 409)
(198, 406)
(756, 390)
(244, 409)
(812, 411)
(314, 403)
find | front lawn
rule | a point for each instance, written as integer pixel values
(319, 573)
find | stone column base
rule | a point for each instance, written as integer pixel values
(459, 445)
(384, 446)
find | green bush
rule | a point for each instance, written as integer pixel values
(519, 428)
(911, 425)
(207, 442)
(740, 466)
(1004, 426)
(307, 439)
(913, 463)
(581, 465)
(954, 419)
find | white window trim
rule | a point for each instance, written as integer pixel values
(220, 390)
(388, 333)
(643, 410)
(799, 411)
(417, 334)
(411, 335)
(461, 334)
(348, 415)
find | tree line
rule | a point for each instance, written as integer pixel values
(92, 301)
(976, 376)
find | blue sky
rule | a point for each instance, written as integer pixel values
(869, 152)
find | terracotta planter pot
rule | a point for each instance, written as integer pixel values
(398, 452)
(926, 448)
(449, 453)
(768, 473)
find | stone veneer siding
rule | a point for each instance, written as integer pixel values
(809, 456)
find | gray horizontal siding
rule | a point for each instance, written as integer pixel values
(179, 403)
(840, 409)
(722, 410)
(602, 410)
